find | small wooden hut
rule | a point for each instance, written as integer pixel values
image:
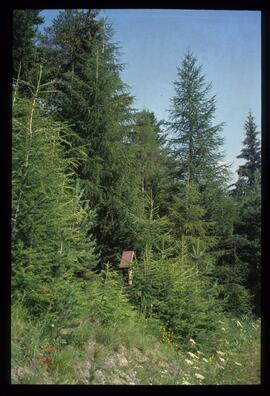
(128, 256)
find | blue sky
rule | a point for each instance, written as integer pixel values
(226, 43)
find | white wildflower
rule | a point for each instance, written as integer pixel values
(220, 353)
(193, 355)
(185, 382)
(221, 367)
(192, 341)
(52, 325)
(199, 376)
(238, 364)
(188, 361)
(239, 324)
(221, 359)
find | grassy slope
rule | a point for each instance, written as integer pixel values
(134, 353)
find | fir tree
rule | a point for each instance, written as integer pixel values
(247, 226)
(250, 152)
(25, 24)
(199, 204)
(94, 100)
(247, 233)
(71, 35)
(188, 215)
(49, 241)
(196, 141)
(147, 142)
(176, 292)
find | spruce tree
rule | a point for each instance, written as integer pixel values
(195, 148)
(96, 103)
(248, 238)
(147, 142)
(247, 225)
(199, 203)
(49, 242)
(71, 35)
(196, 141)
(25, 24)
(250, 152)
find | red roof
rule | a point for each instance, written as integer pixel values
(127, 258)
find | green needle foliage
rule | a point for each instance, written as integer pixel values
(97, 105)
(176, 292)
(248, 238)
(250, 152)
(196, 141)
(91, 177)
(47, 239)
(25, 24)
(147, 143)
(247, 228)
(171, 279)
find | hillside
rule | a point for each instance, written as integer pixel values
(133, 354)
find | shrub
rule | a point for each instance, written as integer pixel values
(176, 292)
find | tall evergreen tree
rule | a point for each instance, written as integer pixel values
(196, 141)
(25, 23)
(250, 152)
(200, 206)
(247, 227)
(94, 100)
(49, 240)
(63, 44)
(248, 238)
(199, 171)
(147, 143)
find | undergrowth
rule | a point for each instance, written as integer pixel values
(136, 351)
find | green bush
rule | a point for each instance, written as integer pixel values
(178, 294)
(108, 302)
(236, 298)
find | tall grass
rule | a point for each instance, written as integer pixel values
(136, 351)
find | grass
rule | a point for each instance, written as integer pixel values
(236, 359)
(135, 351)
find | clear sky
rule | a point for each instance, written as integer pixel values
(226, 43)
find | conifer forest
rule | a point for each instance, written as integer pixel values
(92, 177)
